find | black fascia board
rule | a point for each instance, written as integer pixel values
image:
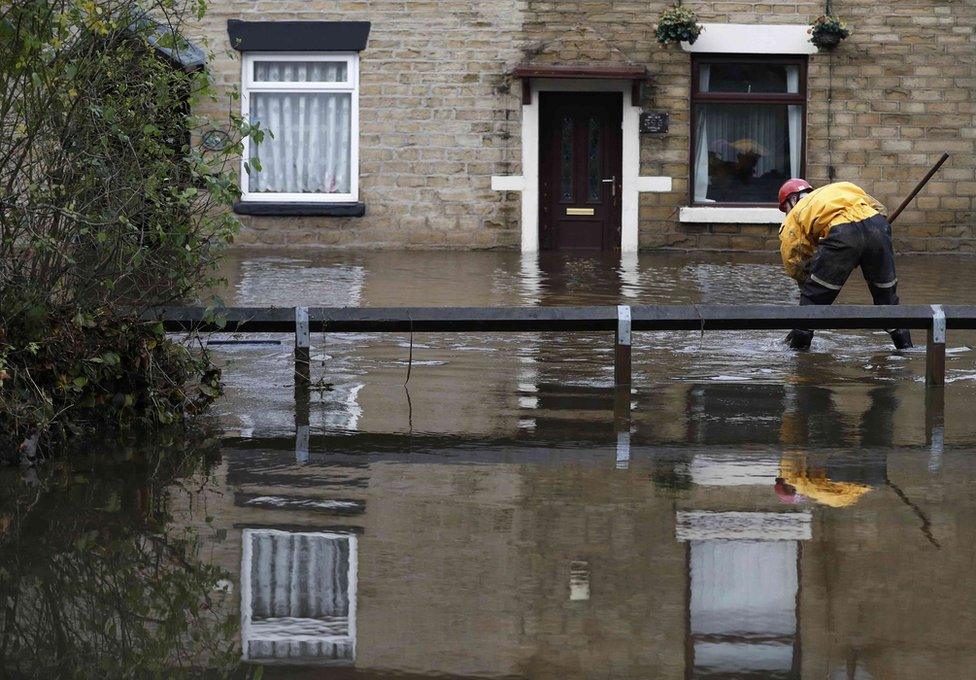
(298, 36)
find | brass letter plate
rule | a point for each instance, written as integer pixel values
(579, 211)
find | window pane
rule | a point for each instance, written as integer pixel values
(300, 71)
(566, 160)
(594, 170)
(309, 152)
(745, 152)
(748, 78)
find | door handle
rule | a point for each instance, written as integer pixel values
(613, 185)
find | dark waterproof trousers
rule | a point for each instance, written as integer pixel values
(865, 244)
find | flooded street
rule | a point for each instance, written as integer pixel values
(758, 514)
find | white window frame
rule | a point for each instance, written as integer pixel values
(351, 86)
(247, 634)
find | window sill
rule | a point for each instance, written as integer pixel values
(706, 215)
(272, 209)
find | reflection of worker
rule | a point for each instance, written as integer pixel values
(797, 482)
(827, 233)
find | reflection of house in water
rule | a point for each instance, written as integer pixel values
(554, 563)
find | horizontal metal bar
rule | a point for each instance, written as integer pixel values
(560, 319)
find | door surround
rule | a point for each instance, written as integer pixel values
(631, 182)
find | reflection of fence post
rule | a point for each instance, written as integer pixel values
(935, 349)
(622, 383)
(935, 427)
(302, 409)
(622, 346)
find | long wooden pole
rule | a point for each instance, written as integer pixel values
(925, 180)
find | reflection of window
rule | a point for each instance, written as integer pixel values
(747, 127)
(743, 569)
(743, 608)
(298, 597)
(309, 104)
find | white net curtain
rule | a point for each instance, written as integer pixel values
(308, 150)
(744, 151)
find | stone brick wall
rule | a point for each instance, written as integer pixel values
(439, 116)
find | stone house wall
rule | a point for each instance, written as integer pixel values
(440, 116)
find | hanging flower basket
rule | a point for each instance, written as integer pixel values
(677, 24)
(827, 32)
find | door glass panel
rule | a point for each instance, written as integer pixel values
(593, 165)
(566, 161)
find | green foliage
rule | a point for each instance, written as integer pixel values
(96, 581)
(101, 368)
(106, 204)
(828, 30)
(677, 24)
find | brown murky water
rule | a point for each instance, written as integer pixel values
(760, 514)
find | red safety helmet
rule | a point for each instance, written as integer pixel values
(791, 187)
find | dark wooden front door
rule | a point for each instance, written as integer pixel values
(579, 171)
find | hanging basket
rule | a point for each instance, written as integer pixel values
(827, 32)
(677, 24)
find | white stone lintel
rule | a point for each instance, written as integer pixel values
(507, 183)
(653, 184)
(753, 39)
(727, 215)
(749, 526)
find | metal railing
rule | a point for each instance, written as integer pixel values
(622, 320)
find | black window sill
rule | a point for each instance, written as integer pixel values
(300, 209)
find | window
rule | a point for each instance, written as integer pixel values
(743, 608)
(298, 597)
(748, 120)
(308, 104)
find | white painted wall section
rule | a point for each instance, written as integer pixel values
(507, 183)
(753, 39)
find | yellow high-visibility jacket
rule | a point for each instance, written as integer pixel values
(815, 485)
(812, 218)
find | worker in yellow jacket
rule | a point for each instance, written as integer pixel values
(797, 483)
(827, 233)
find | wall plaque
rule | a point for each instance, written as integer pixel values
(654, 121)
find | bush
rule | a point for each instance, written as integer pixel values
(106, 207)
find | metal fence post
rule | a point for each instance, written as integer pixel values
(935, 348)
(302, 346)
(622, 346)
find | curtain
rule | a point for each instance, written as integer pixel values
(701, 134)
(309, 148)
(299, 575)
(743, 588)
(795, 115)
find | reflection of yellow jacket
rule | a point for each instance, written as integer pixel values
(813, 217)
(814, 484)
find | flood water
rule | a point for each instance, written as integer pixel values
(755, 514)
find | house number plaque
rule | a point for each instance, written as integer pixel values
(654, 121)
